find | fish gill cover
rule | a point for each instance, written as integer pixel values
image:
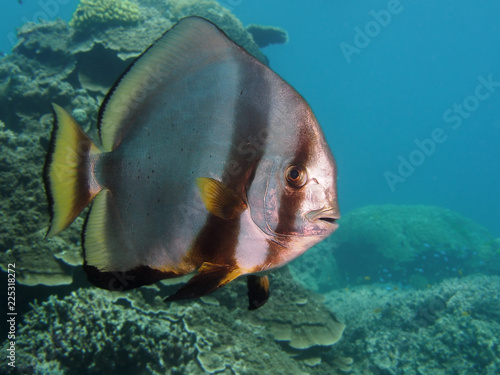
(416, 320)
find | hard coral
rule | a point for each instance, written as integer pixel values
(450, 328)
(94, 13)
(397, 242)
(94, 331)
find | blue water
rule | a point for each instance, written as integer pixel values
(394, 90)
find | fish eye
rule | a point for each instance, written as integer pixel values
(296, 176)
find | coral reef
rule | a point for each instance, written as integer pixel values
(56, 62)
(94, 331)
(424, 244)
(451, 328)
(93, 13)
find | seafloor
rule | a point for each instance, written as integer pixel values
(397, 290)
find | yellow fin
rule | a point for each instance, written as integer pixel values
(98, 250)
(68, 171)
(219, 199)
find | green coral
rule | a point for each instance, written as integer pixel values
(91, 13)
(404, 240)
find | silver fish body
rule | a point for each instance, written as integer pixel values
(209, 162)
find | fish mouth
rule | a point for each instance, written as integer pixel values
(328, 215)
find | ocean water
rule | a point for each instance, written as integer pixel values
(408, 95)
(376, 101)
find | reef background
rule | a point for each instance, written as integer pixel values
(398, 289)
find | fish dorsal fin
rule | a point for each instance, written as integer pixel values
(192, 44)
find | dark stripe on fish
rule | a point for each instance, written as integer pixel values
(215, 242)
(287, 213)
(250, 124)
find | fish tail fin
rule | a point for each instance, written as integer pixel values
(68, 171)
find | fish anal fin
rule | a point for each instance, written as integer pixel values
(220, 200)
(210, 277)
(258, 291)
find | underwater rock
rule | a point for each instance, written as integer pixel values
(402, 242)
(300, 325)
(93, 331)
(450, 328)
(47, 42)
(266, 35)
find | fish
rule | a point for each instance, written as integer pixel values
(207, 163)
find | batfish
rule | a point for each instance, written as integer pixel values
(208, 162)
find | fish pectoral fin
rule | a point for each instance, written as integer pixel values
(209, 278)
(220, 200)
(258, 291)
